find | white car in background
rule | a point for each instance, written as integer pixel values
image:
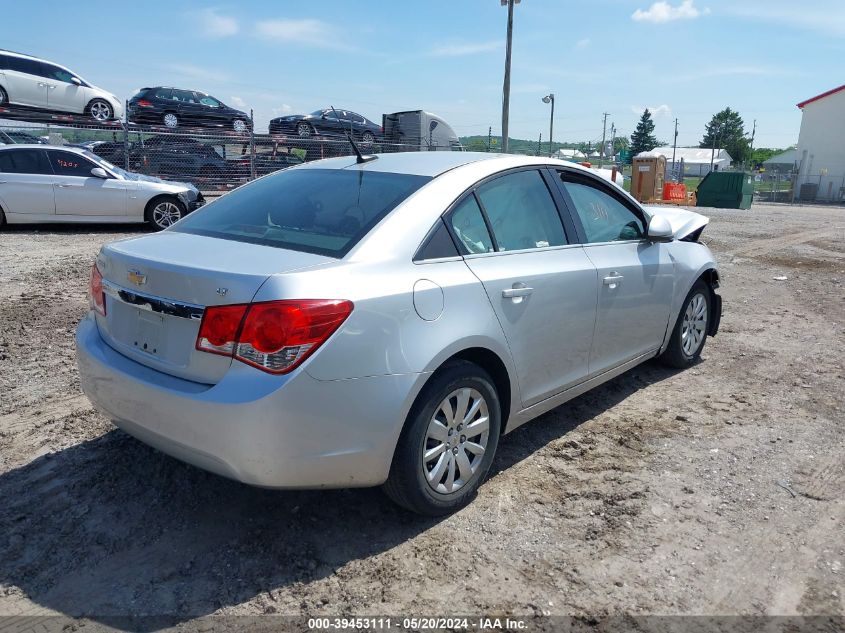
(30, 82)
(43, 183)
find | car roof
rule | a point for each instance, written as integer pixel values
(433, 164)
(64, 148)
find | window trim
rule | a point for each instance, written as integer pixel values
(597, 182)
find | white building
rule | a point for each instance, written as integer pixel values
(821, 147)
(696, 160)
(569, 154)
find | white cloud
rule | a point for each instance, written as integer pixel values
(664, 12)
(583, 43)
(661, 110)
(212, 24)
(237, 102)
(197, 73)
(284, 109)
(307, 32)
(460, 49)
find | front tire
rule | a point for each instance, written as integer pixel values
(304, 129)
(448, 443)
(239, 125)
(100, 110)
(4, 97)
(164, 212)
(368, 138)
(690, 331)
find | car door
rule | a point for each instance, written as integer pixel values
(331, 122)
(79, 193)
(541, 286)
(64, 94)
(210, 109)
(190, 110)
(26, 183)
(25, 82)
(635, 276)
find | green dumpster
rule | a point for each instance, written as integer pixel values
(726, 190)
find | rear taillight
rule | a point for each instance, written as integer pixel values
(143, 103)
(274, 336)
(96, 296)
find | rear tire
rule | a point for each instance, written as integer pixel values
(690, 331)
(170, 120)
(163, 212)
(441, 460)
(4, 97)
(368, 138)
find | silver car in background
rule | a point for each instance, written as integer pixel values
(357, 323)
(44, 183)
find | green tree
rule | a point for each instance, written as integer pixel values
(643, 138)
(620, 143)
(726, 130)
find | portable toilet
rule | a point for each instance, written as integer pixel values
(726, 190)
(648, 172)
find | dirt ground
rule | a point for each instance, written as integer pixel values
(716, 490)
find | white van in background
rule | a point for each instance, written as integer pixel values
(30, 82)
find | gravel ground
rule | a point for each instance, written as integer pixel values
(717, 490)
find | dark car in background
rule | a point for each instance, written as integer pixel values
(18, 137)
(174, 157)
(327, 122)
(174, 107)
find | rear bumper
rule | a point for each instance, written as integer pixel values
(289, 431)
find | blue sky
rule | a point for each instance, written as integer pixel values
(681, 58)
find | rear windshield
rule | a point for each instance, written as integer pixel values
(323, 211)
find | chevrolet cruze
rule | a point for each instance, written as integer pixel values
(386, 320)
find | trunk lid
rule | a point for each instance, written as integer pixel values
(158, 285)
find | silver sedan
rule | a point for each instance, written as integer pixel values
(45, 183)
(358, 323)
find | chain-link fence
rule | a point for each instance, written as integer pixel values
(214, 160)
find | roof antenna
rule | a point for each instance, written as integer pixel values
(360, 158)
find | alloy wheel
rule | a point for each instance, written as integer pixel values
(456, 440)
(694, 324)
(303, 129)
(166, 214)
(101, 111)
(239, 126)
(171, 120)
(368, 137)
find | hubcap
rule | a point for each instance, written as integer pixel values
(303, 129)
(165, 214)
(368, 137)
(239, 125)
(170, 120)
(100, 111)
(694, 325)
(456, 440)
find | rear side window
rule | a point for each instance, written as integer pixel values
(323, 211)
(164, 93)
(522, 212)
(23, 65)
(70, 164)
(438, 245)
(469, 227)
(24, 161)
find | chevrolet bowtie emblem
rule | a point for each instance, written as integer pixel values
(136, 277)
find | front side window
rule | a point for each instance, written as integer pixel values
(323, 211)
(211, 102)
(70, 164)
(24, 161)
(54, 72)
(468, 225)
(522, 212)
(603, 216)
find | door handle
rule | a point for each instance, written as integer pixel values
(519, 290)
(41, 84)
(613, 280)
(62, 185)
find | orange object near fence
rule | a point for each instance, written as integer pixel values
(675, 191)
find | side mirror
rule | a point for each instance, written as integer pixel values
(99, 172)
(76, 80)
(659, 229)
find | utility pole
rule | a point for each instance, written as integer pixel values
(753, 132)
(506, 90)
(550, 98)
(612, 140)
(489, 137)
(675, 145)
(540, 144)
(603, 137)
